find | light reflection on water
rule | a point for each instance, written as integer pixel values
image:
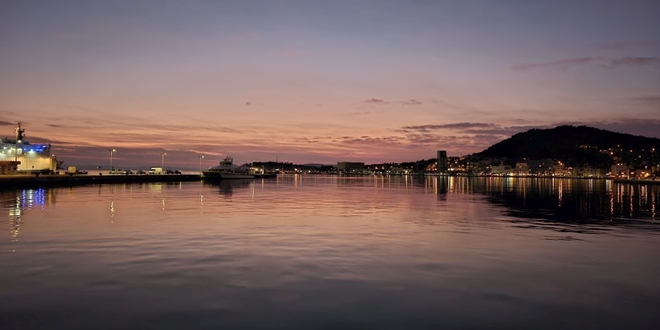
(328, 252)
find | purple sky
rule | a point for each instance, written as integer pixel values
(320, 81)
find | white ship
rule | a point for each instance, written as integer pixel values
(21, 156)
(227, 170)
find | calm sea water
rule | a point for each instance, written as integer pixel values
(313, 252)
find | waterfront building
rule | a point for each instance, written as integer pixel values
(541, 166)
(559, 169)
(620, 169)
(442, 164)
(588, 171)
(522, 168)
(350, 167)
(500, 169)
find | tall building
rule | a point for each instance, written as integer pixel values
(442, 164)
(350, 167)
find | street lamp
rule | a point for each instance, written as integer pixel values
(112, 151)
(162, 160)
(200, 164)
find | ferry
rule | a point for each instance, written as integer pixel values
(19, 156)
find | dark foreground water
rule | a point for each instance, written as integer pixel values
(332, 253)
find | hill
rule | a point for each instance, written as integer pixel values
(576, 146)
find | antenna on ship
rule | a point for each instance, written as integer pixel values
(19, 133)
(19, 138)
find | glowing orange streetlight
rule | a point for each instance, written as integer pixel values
(112, 151)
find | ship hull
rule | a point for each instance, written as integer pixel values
(226, 176)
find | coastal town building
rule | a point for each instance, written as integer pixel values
(350, 167)
(442, 163)
(620, 169)
(541, 166)
(522, 169)
(501, 169)
(560, 170)
(589, 171)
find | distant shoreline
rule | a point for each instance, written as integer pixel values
(615, 180)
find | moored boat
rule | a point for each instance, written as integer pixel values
(226, 170)
(20, 156)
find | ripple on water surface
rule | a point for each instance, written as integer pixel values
(304, 252)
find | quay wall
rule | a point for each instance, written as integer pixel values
(31, 181)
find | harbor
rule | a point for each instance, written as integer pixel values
(26, 165)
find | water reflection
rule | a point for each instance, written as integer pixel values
(16, 202)
(112, 209)
(562, 200)
(227, 187)
(307, 249)
(558, 200)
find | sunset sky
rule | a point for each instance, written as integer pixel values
(320, 81)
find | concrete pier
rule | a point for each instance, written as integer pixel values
(31, 181)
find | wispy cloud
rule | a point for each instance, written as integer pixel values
(375, 101)
(253, 104)
(411, 102)
(560, 64)
(377, 106)
(366, 112)
(6, 123)
(184, 141)
(360, 113)
(623, 45)
(459, 138)
(428, 128)
(608, 63)
(369, 140)
(267, 142)
(504, 131)
(631, 61)
(646, 99)
(473, 137)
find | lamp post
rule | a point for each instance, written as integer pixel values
(200, 164)
(162, 160)
(112, 151)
